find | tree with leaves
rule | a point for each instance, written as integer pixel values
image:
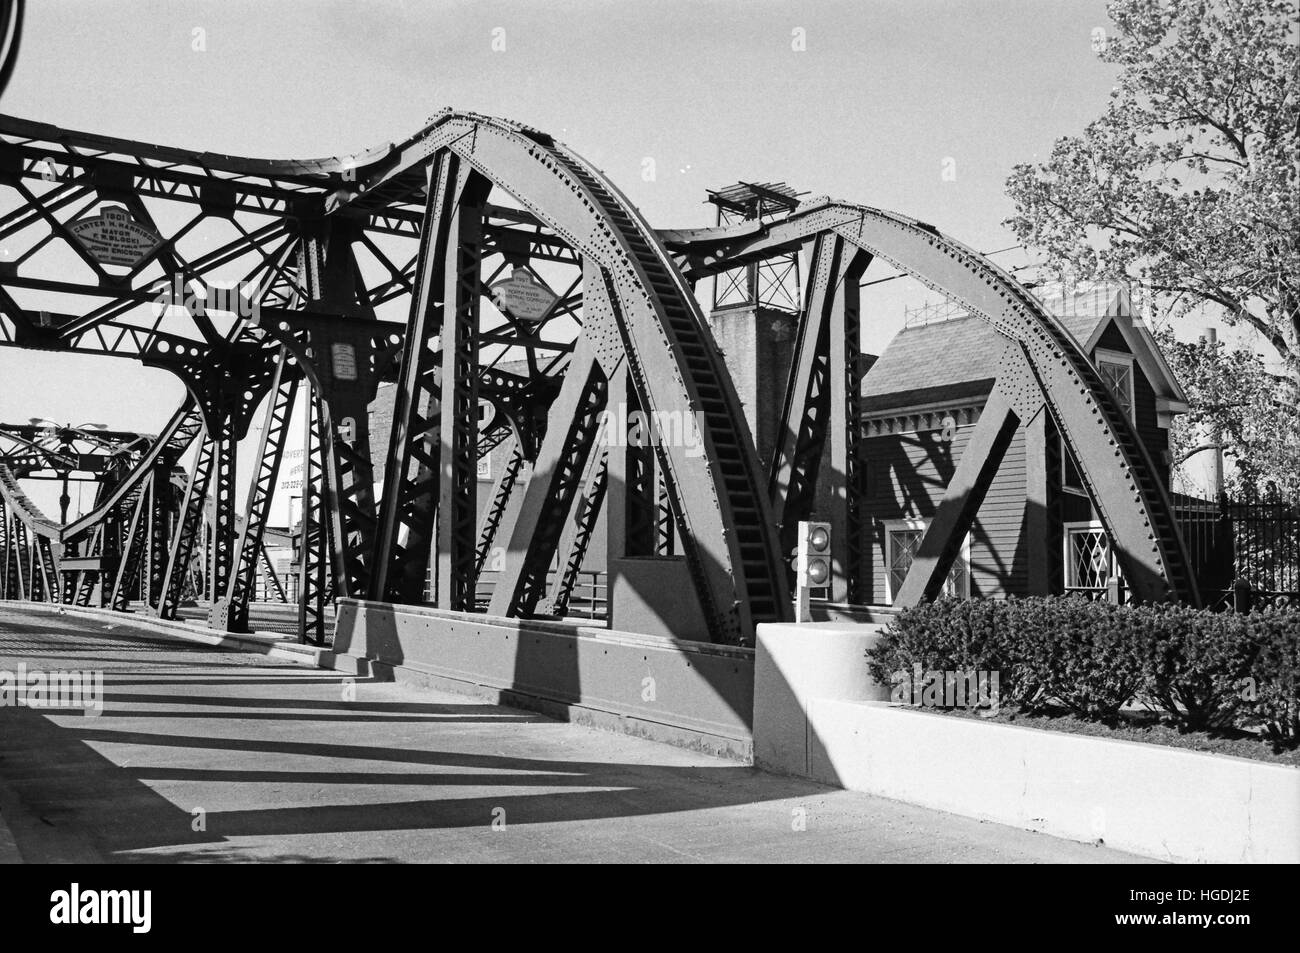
(1237, 404)
(1188, 187)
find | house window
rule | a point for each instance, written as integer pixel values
(1089, 561)
(1071, 480)
(902, 540)
(1116, 371)
(1117, 374)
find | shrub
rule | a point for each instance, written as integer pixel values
(1203, 670)
(1197, 663)
(1275, 675)
(950, 635)
(1082, 655)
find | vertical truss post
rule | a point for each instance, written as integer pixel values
(128, 567)
(37, 572)
(458, 453)
(792, 481)
(49, 569)
(821, 416)
(616, 481)
(270, 451)
(223, 507)
(314, 542)
(641, 523)
(204, 587)
(20, 589)
(160, 524)
(109, 552)
(5, 536)
(188, 527)
(342, 352)
(410, 498)
(348, 488)
(848, 469)
(1038, 488)
(84, 587)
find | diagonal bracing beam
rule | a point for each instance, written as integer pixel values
(410, 496)
(555, 481)
(1016, 397)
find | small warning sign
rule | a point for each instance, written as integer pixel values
(113, 237)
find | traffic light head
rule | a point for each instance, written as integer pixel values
(813, 562)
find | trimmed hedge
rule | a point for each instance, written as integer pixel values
(1203, 670)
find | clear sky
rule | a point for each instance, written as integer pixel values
(714, 91)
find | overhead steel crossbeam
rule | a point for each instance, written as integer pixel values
(80, 451)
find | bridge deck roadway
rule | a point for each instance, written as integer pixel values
(280, 766)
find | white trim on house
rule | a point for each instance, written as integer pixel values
(915, 523)
(1102, 356)
(1145, 350)
(1067, 561)
(1066, 463)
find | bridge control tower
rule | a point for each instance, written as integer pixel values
(755, 312)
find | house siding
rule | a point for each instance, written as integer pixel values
(907, 474)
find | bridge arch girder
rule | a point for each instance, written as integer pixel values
(1120, 478)
(653, 331)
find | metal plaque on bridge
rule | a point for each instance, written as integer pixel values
(344, 359)
(523, 296)
(113, 237)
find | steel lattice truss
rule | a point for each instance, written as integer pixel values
(265, 283)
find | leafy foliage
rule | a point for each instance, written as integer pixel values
(1188, 182)
(1232, 393)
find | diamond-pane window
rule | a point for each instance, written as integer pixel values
(1118, 377)
(1090, 563)
(902, 545)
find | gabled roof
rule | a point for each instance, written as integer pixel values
(957, 359)
(933, 363)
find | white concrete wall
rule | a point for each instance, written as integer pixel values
(814, 716)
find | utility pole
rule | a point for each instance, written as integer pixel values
(1211, 338)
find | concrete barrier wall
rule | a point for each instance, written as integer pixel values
(689, 693)
(818, 715)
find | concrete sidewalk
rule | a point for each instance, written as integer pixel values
(211, 755)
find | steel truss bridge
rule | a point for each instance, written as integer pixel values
(265, 283)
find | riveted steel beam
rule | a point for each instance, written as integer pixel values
(458, 429)
(552, 487)
(404, 538)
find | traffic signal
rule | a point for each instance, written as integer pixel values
(812, 566)
(813, 559)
